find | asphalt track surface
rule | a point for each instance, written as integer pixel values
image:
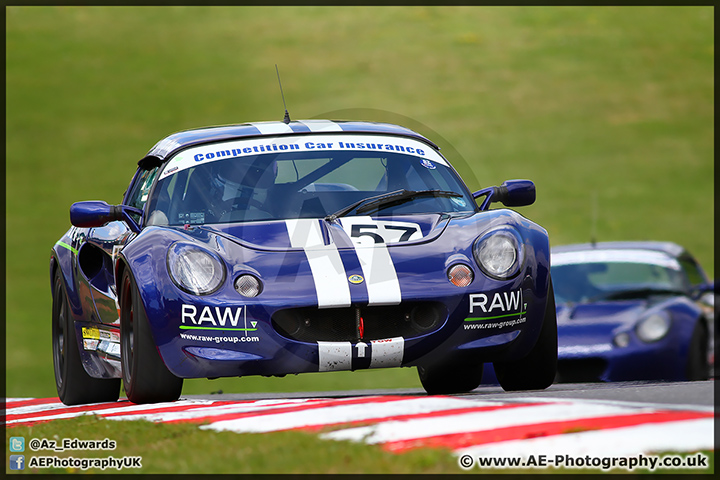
(693, 395)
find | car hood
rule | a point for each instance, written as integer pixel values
(589, 328)
(358, 260)
(618, 312)
(344, 233)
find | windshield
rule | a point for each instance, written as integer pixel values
(586, 276)
(205, 187)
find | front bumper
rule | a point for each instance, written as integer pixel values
(216, 340)
(603, 361)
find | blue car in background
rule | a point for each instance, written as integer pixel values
(632, 311)
(277, 248)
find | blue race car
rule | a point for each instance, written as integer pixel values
(277, 248)
(632, 311)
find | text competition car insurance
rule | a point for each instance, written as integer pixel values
(277, 248)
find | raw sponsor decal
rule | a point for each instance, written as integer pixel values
(502, 302)
(219, 338)
(491, 325)
(226, 319)
(212, 317)
(503, 309)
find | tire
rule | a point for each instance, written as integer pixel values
(145, 376)
(536, 371)
(442, 379)
(698, 367)
(74, 385)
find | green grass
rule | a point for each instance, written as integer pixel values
(184, 448)
(610, 106)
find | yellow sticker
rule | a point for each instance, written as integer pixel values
(90, 332)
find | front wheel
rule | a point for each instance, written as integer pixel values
(145, 376)
(698, 367)
(446, 378)
(536, 371)
(74, 385)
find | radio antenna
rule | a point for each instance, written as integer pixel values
(594, 217)
(286, 120)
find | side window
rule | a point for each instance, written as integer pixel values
(692, 270)
(141, 188)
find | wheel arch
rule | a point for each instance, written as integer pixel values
(61, 260)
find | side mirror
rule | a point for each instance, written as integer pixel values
(97, 213)
(704, 291)
(512, 193)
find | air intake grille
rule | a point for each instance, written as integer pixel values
(353, 324)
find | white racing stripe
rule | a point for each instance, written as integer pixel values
(377, 266)
(394, 431)
(340, 414)
(270, 128)
(321, 125)
(617, 256)
(331, 283)
(685, 435)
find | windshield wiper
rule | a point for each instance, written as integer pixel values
(385, 200)
(345, 210)
(406, 196)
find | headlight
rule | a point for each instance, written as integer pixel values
(653, 328)
(194, 270)
(498, 254)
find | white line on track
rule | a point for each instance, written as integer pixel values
(470, 422)
(343, 414)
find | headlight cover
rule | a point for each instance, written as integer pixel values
(653, 328)
(499, 253)
(195, 270)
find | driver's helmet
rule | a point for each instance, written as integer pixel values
(235, 177)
